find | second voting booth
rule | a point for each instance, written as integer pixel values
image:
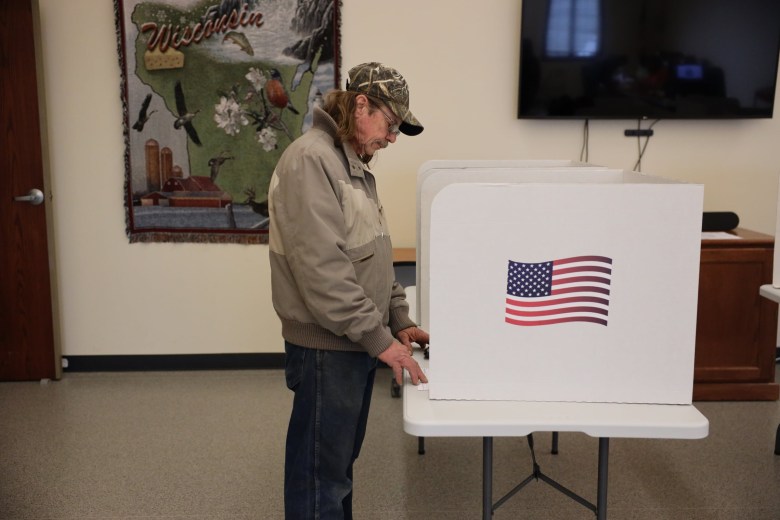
(556, 281)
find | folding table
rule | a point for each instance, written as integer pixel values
(425, 417)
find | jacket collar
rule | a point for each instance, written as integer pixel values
(322, 121)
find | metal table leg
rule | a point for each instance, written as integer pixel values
(777, 441)
(601, 501)
(487, 478)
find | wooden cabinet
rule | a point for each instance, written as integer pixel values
(736, 330)
(404, 254)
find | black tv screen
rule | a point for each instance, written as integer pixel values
(648, 59)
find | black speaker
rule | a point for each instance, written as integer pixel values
(719, 221)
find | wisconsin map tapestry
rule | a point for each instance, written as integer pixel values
(213, 91)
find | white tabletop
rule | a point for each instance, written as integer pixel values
(770, 292)
(425, 417)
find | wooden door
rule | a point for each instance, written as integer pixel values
(26, 330)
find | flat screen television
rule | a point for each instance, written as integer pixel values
(648, 59)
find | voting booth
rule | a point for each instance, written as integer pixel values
(555, 281)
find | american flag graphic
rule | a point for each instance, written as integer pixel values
(560, 291)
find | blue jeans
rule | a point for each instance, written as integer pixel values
(327, 427)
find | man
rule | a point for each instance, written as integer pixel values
(333, 285)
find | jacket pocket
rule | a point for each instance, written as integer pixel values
(362, 253)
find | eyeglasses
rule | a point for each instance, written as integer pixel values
(392, 126)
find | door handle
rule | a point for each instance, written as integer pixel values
(34, 197)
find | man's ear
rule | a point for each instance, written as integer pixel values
(361, 102)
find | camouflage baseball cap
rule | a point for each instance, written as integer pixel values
(385, 83)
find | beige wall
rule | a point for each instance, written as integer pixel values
(460, 58)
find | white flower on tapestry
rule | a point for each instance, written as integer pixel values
(229, 116)
(256, 78)
(244, 105)
(267, 138)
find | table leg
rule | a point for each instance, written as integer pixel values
(777, 441)
(487, 478)
(601, 502)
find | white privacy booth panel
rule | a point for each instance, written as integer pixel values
(616, 255)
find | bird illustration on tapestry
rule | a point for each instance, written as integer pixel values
(277, 94)
(215, 163)
(185, 117)
(143, 114)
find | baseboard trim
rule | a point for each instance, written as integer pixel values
(162, 362)
(173, 362)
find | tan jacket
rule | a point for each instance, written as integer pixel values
(332, 275)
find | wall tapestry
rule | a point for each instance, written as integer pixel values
(213, 91)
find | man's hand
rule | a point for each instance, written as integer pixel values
(413, 334)
(398, 356)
